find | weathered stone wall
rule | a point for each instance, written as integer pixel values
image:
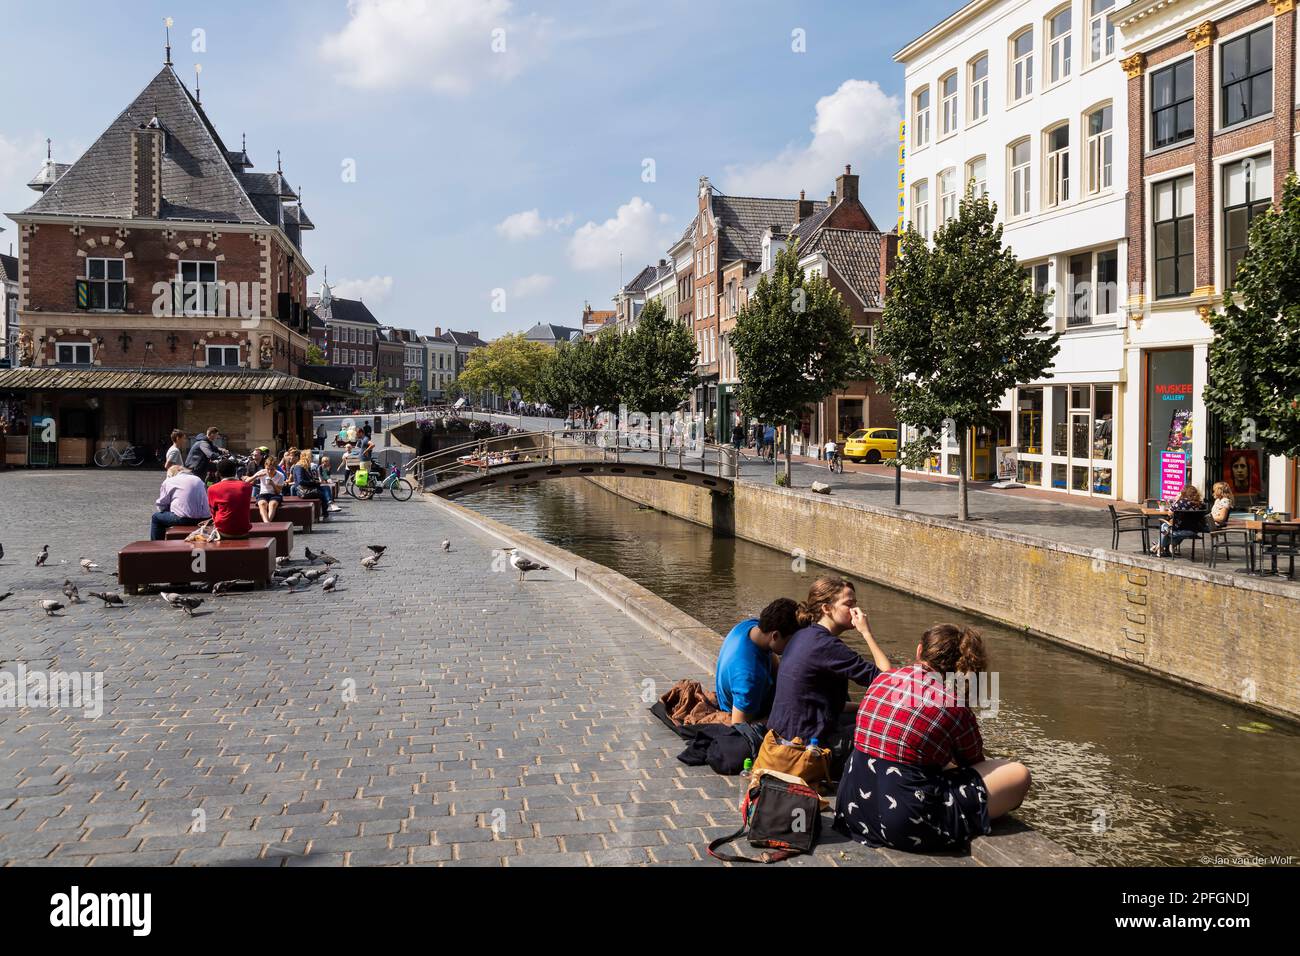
(1220, 632)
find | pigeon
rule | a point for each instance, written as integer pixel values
(279, 562)
(446, 545)
(223, 587)
(189, 605)
(307, 552)
(524, 565)
(110, 599)
(43, 556)
(88, 565)
(49, 607)
(293, 580)
(171, 597)
(282, 573)
(327, 559)
(377, 549)
(369, 562)
(6, 595)
(70, 591)
(329, 583)
(313, 574)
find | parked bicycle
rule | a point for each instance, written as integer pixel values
(110, 457)
(400, 488)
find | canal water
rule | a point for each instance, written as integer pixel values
(1128, 770)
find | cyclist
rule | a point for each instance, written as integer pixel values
(204, 452)
(832, 454)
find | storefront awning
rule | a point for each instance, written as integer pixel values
(64, 379)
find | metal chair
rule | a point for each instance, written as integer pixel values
(1123, 522)
(1221, 540)
(1279, 541)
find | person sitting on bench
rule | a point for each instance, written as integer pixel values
(231, 500)
(182, 499)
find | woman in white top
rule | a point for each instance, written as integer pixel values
(270, 491)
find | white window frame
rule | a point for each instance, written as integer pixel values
(947, 195)
(1019, 179)
(225, 351)
(921, 118)
(1058, 58)
(1021, 73)
(978, 89)
(1100, 28)
(981, 186)
(921, 208)
(951, 120)
(75, 348)
(1100, 175)
(1056, 168)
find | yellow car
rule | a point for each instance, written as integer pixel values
(871, 445)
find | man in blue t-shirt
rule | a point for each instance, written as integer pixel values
(745, 675)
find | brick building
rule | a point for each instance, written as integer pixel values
(1212, 123)
(345, 330)
(162, 284)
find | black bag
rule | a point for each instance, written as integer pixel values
(781, 815)
(309, 491)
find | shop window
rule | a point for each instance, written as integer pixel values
(1247, 193)
(1169, 403)
(1246, 72)
(1060, 422)
(1103, 427)
(850, 418)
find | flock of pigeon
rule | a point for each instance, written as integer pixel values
(295, 579)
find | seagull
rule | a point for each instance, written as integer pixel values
(524, 565)
(43, 556)
(369, 562)
(88, 565)
(377, 549)
(70, 591)
(110, 599)
(329, 582)
(446, 545)
(49, 607)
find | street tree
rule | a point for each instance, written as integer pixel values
(656, 363)
(505, 365)
(411, 397)
(373, 390)
(1254, 375)
(794, 345)
(315, 355)
(962, 325)
(594, 370)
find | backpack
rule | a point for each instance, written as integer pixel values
(781, 813)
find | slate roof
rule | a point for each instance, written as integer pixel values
(342, 310)
(855, 255)
(48, 175)
(547, 332)
(198, 184)
(641, 280)
(464, 339)
(153, 380)
(8, 269)
(811, 223)
(744, 219)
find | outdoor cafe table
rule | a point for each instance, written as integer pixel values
(1250, 525)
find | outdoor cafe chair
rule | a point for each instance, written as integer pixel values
(1279, 541)
(1123, 522)
(1189, 524)
(1221, 540)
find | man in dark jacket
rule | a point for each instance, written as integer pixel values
(204, 452)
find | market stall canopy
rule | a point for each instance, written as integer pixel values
(64, 379)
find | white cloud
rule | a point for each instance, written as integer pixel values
(442, 45)
(372, 291)
(854, 123)
(531, 285)
(636, 231)
(529, 224)
(20, 159)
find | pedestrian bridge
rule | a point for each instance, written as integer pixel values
(526, 458)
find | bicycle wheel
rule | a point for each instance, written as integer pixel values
(134, 459)
(104, 458)
(363, 494)
(402, 489)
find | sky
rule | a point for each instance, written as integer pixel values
(485, 164)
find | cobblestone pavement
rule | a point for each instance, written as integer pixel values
(493, 723)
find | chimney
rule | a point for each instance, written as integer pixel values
(830, 200)
(803, 209)
(146, 170)
(888, 254)
(846, 186)
(437, 331)
(473, 332)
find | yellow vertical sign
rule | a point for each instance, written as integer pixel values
(902, 174)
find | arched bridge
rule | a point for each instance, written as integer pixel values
(525, 458)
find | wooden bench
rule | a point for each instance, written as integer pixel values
(281, 531)
(318, 504)
(185, 562)
(301, 514)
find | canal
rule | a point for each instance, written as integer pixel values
(1128, 770)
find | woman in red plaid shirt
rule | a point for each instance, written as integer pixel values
(918, 778)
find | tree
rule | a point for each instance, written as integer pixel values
(962, 324)
(412, 395)
(794, 345)
(315, 356)
(595, 370)
(373, 390)
(656, 362)
(555, 385)
(510, 363)
(1254, 376)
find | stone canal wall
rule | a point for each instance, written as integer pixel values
(1222, 633)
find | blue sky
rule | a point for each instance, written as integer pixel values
(496, 144)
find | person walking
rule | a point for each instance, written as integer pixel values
(176, 450)
(769, 442)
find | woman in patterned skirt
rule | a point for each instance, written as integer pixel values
(917, 778)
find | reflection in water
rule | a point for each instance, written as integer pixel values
(1127, 769)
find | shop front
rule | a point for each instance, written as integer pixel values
(1065, 437)
(1169, 416)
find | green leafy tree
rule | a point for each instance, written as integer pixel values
(962, 324)
(508, 364)
(555, 385)
(794, 345)
(315, 356)
(373, 390)
(1254, 376)
(656, 363)
(595, 370)
(411, 397)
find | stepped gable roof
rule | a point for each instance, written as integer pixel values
(198, 183)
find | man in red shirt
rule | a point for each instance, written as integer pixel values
(231, 501)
